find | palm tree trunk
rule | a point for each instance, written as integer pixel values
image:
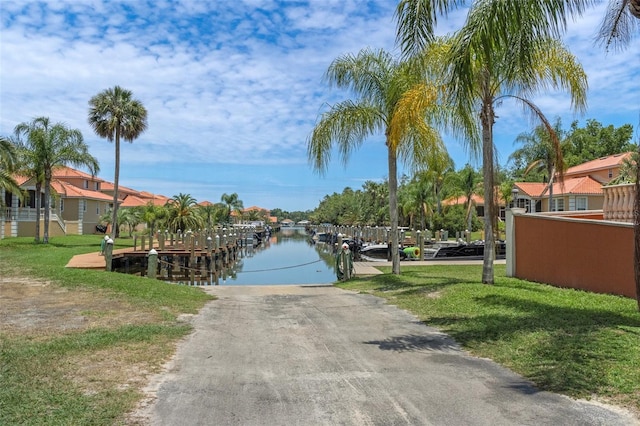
(636, 233)
(487, 117)
(47, 206)
(552, 174)
(38, 208)
(114, 219)
(393, 208)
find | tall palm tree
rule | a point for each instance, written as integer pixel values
(233, 203)
(183, 213)
(46, 147)
(379, 83)
(502, 51)
(115, 114)
(8, 165)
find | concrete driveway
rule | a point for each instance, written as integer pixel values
(291, 355)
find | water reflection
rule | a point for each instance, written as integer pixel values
(287, 257)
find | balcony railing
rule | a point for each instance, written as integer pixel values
(22, 214)
(618, 202)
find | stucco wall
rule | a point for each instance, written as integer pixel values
(579, 253)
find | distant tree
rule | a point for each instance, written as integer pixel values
(468, 183)
(374, 203)
(232, 203)
(183, 213)
(155, 217)
(44, 147)
(115, 114)
(130, 216)
(8, 165)
(212, 214)
(594, 141)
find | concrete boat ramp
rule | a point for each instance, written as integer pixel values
(319, 355)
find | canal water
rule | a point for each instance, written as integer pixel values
(287, 257)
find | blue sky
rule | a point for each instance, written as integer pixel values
(233, 88)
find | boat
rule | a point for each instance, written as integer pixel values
(472, 250)
(376, 252)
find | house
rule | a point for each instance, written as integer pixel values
(76, 205)
(78, 201)
(581, 188)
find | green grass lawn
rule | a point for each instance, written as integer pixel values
(102, 335)
(572, 342)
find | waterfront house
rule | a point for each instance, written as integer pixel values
(75, 207)
(580, 190)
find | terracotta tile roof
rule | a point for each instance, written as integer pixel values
(133, 201)
(252, 208)
(532, 189)
(577, 186)
(20, 179)
(67, 172)
(206, 203)
(598, 164)
(583, 185)
(476, 199)
(108, 186)
(72, 191)
(157, 199)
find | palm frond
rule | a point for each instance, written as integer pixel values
(618, 25)
(346, 124)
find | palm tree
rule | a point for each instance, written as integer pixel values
(502, 51)
(8, 165)
(45, 148)
(233, 203)
(114, 114)
(380, 84)
(183, 213)
(468, 185)
(212, 213)
(153, 216)
(543, 154)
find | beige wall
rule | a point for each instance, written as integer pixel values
(594, 202)
(599, 175)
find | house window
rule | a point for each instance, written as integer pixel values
(98, 209)
(610, 173)
(84, 206)
(581, 203)
(86, 184)
(557, 205)
(97, 186)
(61, 204)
